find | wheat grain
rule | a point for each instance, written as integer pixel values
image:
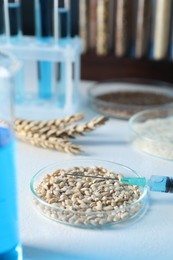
(34, 126)
(48, 136)
(51, 143)
(78, 130)
(71, 132)
(71, 198)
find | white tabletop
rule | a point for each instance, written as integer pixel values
(149, 238)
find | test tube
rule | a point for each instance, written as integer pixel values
(52, 18)
(122, 27)
(102, 27)
(162, 29)
(13, 33)
(92, 25)
(12, 20)
(62, 35)
(143, 28)
(43, 27)
(2, 31)
(64, 19)
(84, 25)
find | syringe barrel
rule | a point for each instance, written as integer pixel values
(161, 184)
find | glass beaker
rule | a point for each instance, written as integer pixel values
(10, 248)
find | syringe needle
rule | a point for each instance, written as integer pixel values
(134, 181)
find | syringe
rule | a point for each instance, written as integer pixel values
(155, 183)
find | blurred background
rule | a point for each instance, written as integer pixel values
(121, 38)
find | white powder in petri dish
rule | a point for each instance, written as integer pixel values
(155, 136)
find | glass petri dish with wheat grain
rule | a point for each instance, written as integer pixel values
(90, 200)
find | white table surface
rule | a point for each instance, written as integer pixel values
(149, 238)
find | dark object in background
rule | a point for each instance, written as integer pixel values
(46, 15)
(14, 10)
(28, 20)
(74, 17)
(1, 18)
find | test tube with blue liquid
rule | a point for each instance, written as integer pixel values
(44, 32)
(62, 35)
(10, 248)
(52, 21)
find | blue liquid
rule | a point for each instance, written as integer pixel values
(45, 78)
(43, 27)
(61, 85)
(14, 21)
(44, 31)
(9, 237)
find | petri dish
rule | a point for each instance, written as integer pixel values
(82, 212)
(123, 98)
(151, 132)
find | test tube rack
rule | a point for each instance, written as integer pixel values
(65, 75)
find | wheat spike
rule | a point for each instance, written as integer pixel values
(52, 143)
(76, 130)
(35, 126)
(71, 132)
(79, 130)
(50, 137)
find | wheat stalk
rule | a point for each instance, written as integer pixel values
(50, 137)
(51, 143)
(71, 132)
(79, 130)
(34, 126)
